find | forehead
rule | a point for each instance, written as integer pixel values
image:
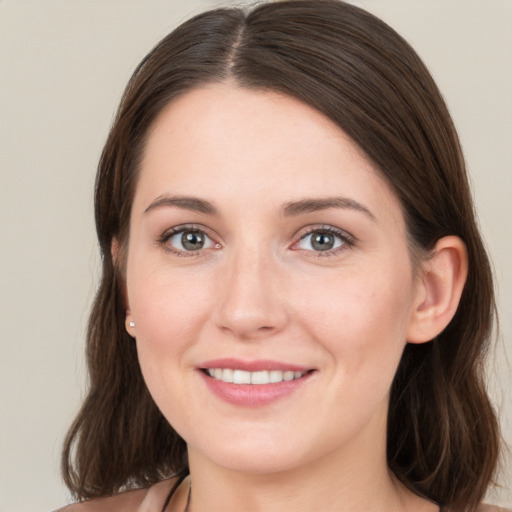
(229, 142)
(216, 114)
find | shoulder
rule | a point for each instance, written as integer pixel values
(491, 508)
(129, 501)
(140, 500)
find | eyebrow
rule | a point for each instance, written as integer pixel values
(188, 203)
(303, 206)
(290, 209)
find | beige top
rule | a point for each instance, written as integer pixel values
(141, 500)
(153, 499)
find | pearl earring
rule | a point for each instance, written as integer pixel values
(132, 324)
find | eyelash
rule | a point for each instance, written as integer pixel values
(188, 228)
(347, 240)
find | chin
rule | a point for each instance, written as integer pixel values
(253, 453)
(256, 462)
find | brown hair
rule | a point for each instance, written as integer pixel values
(443, 437)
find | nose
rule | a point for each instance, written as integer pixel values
(252, 304)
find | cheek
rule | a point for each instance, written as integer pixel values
(361, 318)
(169, 314)
(169, 310)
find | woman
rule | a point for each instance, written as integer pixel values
(295, 301)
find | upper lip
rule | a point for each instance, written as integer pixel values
(257, 365)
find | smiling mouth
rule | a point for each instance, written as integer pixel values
(255, 378)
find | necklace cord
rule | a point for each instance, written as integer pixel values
(178, 482)
(187, 505)
(189, 494)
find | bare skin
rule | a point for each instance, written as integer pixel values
(258, 175)
(258, 289)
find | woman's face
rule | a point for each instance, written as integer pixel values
(264, 247)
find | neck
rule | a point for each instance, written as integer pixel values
(355, 478)
(300, 491)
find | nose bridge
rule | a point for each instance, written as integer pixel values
(252, 303)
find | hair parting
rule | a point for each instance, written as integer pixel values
(443, 435)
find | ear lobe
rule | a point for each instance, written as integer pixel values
(439, 290)
(129, 324)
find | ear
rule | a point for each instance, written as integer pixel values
(129, 322)
(439, 290)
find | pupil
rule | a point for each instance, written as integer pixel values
(323, 242)
(192, 241)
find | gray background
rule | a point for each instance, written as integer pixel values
(63, 66)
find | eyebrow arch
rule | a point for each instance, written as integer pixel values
(312, 205)
(188, 203)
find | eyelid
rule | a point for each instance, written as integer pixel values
(176, 230)
(312, 228)
(348, 239)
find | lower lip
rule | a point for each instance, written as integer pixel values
(253, 395)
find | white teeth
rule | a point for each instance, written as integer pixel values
(275, 376)
(288, 375)
(241, 377)
(257, 378)
(227, 375)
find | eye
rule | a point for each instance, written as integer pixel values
(183, 240)
(325, 239)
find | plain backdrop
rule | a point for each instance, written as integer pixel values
(63, 66)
